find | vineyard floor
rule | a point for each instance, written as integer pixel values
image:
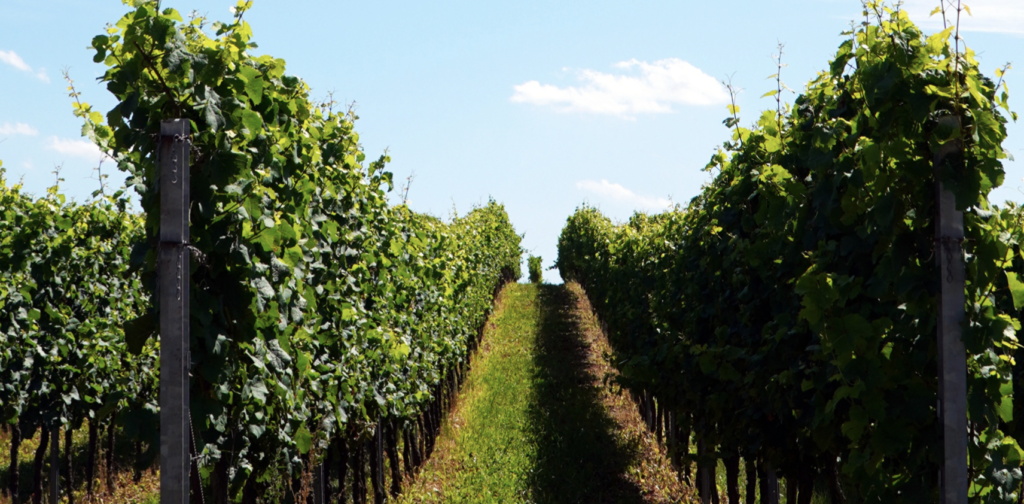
(124, 488)
(536, 420)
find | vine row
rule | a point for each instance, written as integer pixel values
(322, 318)
(787, 315)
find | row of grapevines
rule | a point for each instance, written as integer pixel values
(65, 294)
(317, 310)
(788, 314)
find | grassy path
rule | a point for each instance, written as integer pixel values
(535, 421)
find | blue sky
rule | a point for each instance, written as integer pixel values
(540, 105)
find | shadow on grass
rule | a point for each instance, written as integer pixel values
(579, 459)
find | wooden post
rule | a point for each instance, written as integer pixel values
(173, 292)
(54, 465)
(949, 232)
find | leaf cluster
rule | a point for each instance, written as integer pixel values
(66, 290)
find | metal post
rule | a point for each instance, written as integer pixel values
(703, 478)
(173, 292)
(318, 484)
(54, 465)
(773, 485)
(381, 487)
(949, 232)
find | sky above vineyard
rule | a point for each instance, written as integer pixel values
(541, 105)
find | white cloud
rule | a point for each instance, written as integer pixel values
(76, 148)
(622, 195)
(28, 165)
(998, 16)
(658, 87)
(17, 129)
(12, 58)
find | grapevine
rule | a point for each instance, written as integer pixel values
(788, 314)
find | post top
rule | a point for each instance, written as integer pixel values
(170, 127)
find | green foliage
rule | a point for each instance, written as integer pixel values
(317, 310)
(534, 266)
(66, 289)
(790, 311)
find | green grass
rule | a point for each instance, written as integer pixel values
(492, 454)
(529, 426)
(579, 456)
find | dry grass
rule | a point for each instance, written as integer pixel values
(125, 489)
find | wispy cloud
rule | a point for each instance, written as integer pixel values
(641, 88)
(12, 58)
(17, 129)
(76, 148)
(620, 194)
(998, 16)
